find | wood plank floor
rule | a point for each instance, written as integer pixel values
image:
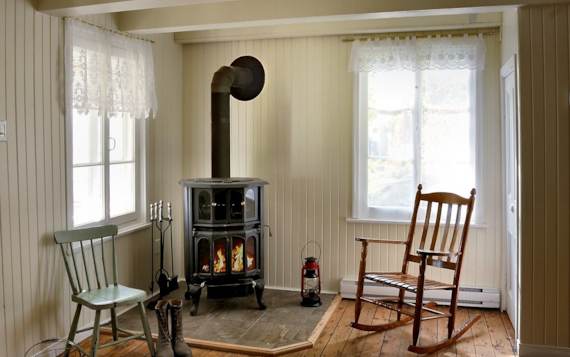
(493, 335)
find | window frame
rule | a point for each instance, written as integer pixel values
(360, 209)
(141, 190)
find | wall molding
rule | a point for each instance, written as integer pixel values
(531, 350)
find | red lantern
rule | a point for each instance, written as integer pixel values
(311, 279)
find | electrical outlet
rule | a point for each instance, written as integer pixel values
(3, 129)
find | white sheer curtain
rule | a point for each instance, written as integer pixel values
(108, 73)
(467, 52)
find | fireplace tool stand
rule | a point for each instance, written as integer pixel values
(162, 277)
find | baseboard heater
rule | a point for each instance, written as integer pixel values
(468, 296)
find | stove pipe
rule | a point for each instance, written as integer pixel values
(244, 80)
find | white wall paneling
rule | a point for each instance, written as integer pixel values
(298, 136)
(35, 298)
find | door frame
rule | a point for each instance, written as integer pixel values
(508, 68)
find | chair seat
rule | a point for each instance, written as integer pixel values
(109, 296)
(406, 281)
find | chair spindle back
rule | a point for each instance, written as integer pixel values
(79, 272)
(454, 230)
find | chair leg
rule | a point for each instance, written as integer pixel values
(72, 330)
(400, 303)
(419, 302)
(452, 310)
(360, 286)
(114, 324)
(146, 328)
(95, 338)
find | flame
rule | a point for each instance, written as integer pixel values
(237, 257)
(219, 261)
(250, 262)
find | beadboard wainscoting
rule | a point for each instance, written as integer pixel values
(544, 33)
(35, 298)
(298, 136)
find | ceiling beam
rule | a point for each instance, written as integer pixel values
(92, 7)
(424, 23)
(251, 13)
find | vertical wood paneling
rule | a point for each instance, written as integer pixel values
(35, 298)
(298, 136)
(545, 173)
(562, 250)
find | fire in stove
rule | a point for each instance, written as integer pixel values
(220, 259)
(251, 254)
(237, 256)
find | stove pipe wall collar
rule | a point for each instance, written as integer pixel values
(244, 80)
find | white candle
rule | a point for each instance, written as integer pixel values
(169, 209)
(160, 211)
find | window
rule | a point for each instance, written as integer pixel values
(413, 125)
(109, 89)
(107, 178)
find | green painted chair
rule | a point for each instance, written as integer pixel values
(103, 293)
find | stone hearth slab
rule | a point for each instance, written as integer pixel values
(237, 325)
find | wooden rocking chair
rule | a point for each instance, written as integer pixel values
(440, 255)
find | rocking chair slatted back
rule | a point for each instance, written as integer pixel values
(68, 240)
(453, 237)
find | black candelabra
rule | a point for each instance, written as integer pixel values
(163, 226)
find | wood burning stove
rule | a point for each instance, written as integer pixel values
(223, 216)
(224, 233)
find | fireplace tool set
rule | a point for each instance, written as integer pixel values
(163, 225)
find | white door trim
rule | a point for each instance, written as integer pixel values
(510, 68)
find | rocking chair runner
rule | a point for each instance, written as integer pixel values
(446, 257)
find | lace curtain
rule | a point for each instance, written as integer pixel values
(467, 52)
(108, 72)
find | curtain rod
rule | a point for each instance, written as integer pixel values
(485, 31)
(117, 32)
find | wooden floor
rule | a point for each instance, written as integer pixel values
(493, 335)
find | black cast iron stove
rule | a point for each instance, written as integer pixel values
(223, 216)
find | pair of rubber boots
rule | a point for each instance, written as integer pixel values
(170, 343)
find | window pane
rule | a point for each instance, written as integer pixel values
(121, 137)
(88, 197)
(448, 157)
(446, 89)
(447, 142)
(87, 138)
(391, 97)
(390, 159)
(122, 189)
(393, 90)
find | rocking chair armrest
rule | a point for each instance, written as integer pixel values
(374, 240)
(432, 253)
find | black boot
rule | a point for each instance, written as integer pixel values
(163, 345)
(181, 349)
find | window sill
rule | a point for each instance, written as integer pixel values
(385, 221)
(132, 228)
